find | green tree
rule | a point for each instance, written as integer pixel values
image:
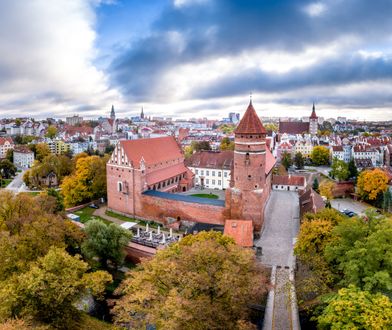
(41, 151)
(51, 132)
(200, 145)
(315, 185)
(386, 201)
(320, 156)
(7, 169)
(204, 282)
(226, 144)
(339, 170)
(352, 308)
(359, 252)
(105, 242)
(48, 291)
(10, 155)
(286, 160)
(352, 169)
(299, 160)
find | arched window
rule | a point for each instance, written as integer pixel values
(119, 186)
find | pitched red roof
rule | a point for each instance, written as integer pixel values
(250, 123)
(293, 127)
(270, 161)
(211, 159)
(3, 140)
(241, 231)
(165, 173)
(153, 151)
(288, 180)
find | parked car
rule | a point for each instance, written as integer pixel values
(348, 213)
(94, 206)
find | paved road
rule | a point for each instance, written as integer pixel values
(280, 227)
(17, 183)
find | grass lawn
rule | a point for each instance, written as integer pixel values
(119, 216)
(5, 182)
(212, 196)
(86, 214)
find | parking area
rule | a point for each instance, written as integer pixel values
(349, 204)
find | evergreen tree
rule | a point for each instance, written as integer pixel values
(315, 185)
(352, 169)
(299, 160)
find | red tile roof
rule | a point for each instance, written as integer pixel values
(250, 123)
(293, 127)
(241, 231)
(288, 180)
(270, 161)
(3, 140)
(337, 148)
(165, 173)
(153, 151)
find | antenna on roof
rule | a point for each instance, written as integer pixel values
(250, 97)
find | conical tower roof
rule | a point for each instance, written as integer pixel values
(250, 122)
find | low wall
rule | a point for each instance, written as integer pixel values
(135, 252)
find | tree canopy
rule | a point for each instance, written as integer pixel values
(299, 160)
(372, 183)
(226, 144)
(286, 160)
(205, 281)
(320, 155)
(340, 170)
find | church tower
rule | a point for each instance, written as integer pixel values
(112, 114)
(142, 114)
(313, 122)
(248, 193)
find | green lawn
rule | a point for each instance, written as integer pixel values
(125, 218)
(86, 214)
(5, 182)
(212, 196)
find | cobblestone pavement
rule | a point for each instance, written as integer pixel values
(280, 227)
(282, 305)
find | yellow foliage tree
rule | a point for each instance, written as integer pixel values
(371, 183)
(326, 188)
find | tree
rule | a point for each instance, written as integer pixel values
(359, 253)
(226, 144)
(386, 201)
(188, 151)
(10, 155)
(326, 189)
(51, 132)
(200, 145)
(271, 127)
(7, 169)
(87, 182)
(205, 281)
(372, 183)
(340, 170)
(320, 156)
(315, 185)
(41, 151)
(299, 160)
(48, 291)
(286, 160)
(58, 198)
(105, 242)
(352, 169)
(352, 308)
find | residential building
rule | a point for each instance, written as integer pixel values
(23, 157)
(6, 144)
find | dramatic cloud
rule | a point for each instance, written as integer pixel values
(220, 48)
(47, 53)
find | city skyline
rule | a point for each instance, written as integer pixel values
(195, 58)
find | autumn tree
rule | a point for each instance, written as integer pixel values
(87, 182)
(299, 160)
(105, 242)
(41, 150)
(286, 160)
(226, 144)
(371, 184)
(205, 281)
(320, 156)
(49, 289)
(271, 127)
(200, 145)
(339, 170)
(51, 132)
(326, 189)
(352, 308)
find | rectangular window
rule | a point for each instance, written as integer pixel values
(213, 181)
(219, 182)
(219, 173)
(197, 171)
(213, 173)
(201, 172)
(225, 174)
(207, 181)
(207, 173)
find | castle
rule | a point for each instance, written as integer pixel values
(144, 175)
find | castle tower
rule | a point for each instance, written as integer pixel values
(247, 196)
(313, 122)
(112, 114)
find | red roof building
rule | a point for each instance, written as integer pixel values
(241, 231)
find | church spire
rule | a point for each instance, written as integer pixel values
(142, 114)
(112, 113)
(313, 115)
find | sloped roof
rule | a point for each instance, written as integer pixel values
(293, 127)
(4, 140)
(288, 180)
(270, 161)
(241, 231)
(153, 151)
(313, 115)
(211, 159)
(310, 202)
(165, 173)
(250, 123)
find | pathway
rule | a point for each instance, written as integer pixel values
(101, 212)
(279, 231)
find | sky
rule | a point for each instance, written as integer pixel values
(196, 58)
